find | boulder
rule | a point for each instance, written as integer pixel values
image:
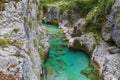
(116, 37)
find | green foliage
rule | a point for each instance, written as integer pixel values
(35, 42)
(65, 43)
(2, 5)
(41, 6)
(20, 42)
(16, 30)
(25, 19)
(63, 7)
(95, 11)
(3, 42)
(5, 1)
(97, 16)
(2, 1)
(41, 44)
(97, 38)
(109, 5)
(92, 73)
(49, 1)
(29, 21)
(106, 5)
(6, 36)
(81, 6)
(118, 22)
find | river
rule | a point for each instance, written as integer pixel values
(63, 63)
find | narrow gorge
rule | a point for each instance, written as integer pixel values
(63, 63)
(59, 39)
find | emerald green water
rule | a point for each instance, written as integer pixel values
(63, 63)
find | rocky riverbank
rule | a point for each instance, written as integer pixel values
(24, 42)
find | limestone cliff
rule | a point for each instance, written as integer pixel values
(23, 41)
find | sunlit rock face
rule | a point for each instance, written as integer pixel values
(66, 20)
(111, 30)
(21, 41)
(111, 34)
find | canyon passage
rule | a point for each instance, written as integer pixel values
(63, 63)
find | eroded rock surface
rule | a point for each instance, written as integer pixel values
(22, 41)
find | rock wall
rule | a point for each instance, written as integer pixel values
(23, 41)
(112, 37)
(103, 50)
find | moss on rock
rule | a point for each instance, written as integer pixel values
(92, 72)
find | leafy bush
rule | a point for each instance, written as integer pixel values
(81, 6)
(97, 16)
(3, 42)
(95, 11)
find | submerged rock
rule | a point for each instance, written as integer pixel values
(59, 53)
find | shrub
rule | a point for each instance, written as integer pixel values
(3, 42)
(81, 6)
(96, 18)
